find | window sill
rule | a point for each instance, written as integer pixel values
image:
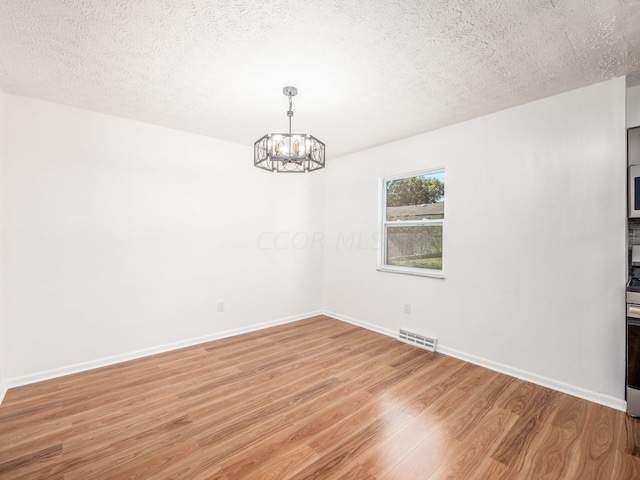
(411, 272)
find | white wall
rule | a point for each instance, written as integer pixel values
(122, 236)
(2, 333)
(633, 106)
(534, 240)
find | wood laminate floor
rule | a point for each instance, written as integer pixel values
(315, 399)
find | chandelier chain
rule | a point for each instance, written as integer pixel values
(290, 112)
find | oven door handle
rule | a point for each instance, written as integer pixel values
(633, 311)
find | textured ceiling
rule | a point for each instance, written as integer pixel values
(368, 71)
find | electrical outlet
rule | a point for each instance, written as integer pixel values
(407, 308)
(221, 306)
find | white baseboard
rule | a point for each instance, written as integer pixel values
(573, 390)
(592, 396)
(3, 391)
(103, 362)
(360, 323)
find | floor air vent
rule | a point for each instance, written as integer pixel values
(418, 340)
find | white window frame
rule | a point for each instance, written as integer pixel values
(383, 222)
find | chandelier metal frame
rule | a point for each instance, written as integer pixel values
(289, 152)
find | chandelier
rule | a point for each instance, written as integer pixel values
(289, 152)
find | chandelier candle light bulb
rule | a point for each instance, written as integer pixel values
(287, 152)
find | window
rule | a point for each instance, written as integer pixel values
(412, 223)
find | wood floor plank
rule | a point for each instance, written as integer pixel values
(459, 397)
(354, 444)
(518, 397)
(550, 454)
(284, 464)
(267, 412)
(598, 443)
(19, 414)
(554, 448)
(513, 449)
(474, 448)
(326, 440)
(244, 462)
(245, 439)
(479, 405)
(123, 418)
(332, 414)
(490, 469)
(380, 459)
(27, 460)
(627, 466)
(185, 467)
(450, 373)
(317, 398)
(155, 464)
(425, 457)
(350, 472)
(630, 442)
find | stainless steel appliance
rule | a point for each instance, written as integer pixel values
(634, 191)
(633, 160)
(633, 335)
(633, 146)
(633, 359)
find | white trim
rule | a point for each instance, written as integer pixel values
(383, 222)
(411, 271)
(415, 173)
(360, 323)
(103, 362)
(382, 216)
(596, 397)
(3, 391)
(579, 392)
(425, 222)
